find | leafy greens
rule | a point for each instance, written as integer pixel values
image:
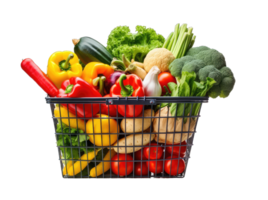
(188, 87)
(133, 45)
(73, 140)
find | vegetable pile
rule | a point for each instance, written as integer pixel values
(132, 65)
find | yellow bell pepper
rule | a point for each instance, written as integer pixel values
(78, 166)
(62, 66)
(93, 69)
(74, 123)
(103, 167)
(101, 126)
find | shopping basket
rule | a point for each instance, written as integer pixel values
(163, 135)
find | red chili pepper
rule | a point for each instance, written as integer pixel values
(77, 87)
(125, 86)
(39, 77)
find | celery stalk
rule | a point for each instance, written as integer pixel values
(174, 37)
(188, 40)
(176, 32)
(179, 54)
(191, 43)
(180, 40)
(180, 45)
(171, 42)
(186, 44)
(167, 40)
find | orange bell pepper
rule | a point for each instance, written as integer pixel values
(93, 69)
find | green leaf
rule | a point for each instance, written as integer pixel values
(172, 86)
(183, 90)
(201, 91)
(74, 140)
(133, 45)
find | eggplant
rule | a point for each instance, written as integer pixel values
(110, 81)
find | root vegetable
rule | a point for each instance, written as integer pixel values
(137, 122)
(133, 69)
(139, 64)
(166, 127)
(140, 140)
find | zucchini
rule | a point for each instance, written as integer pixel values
(89, 50)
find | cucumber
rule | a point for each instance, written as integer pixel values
(89, 50)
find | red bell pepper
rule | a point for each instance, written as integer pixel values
(125, 86)
(77, 87)
(108, 110)
(39, 77)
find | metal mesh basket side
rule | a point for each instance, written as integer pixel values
(109, 174)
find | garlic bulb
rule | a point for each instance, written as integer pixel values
(152, 88)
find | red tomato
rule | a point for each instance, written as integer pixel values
(152, 166)
(164, 78)
(112, 109)
(139, 154)
(174, 166)
(177, 148)
(125, 168)
(138, 171)
(155, 152)
(181, 155)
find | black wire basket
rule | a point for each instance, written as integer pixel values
(88, 153)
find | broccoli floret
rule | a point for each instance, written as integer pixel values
(227, 83)
(226, 86)
(210, 71)
(176, 66)
(215, 91)
(209, 55)
(205, 63)
(196, 50)
(193, 66)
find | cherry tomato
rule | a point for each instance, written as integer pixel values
(155, 152)
(125, 168)
(177, 148)
(164, 78)
(138, 171)
(112, 109)
(139, 154)
(174, 166)
(152, 166)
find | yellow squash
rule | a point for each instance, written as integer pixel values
(97, 127)
(103, 167)
(67, 167)
(78, 166)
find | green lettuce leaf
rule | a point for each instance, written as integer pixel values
(133, 45)
(74, 140)
(188, 87)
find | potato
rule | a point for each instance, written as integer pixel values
(148, 130)
(163, 136)
(130, 122)
(121, 145)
